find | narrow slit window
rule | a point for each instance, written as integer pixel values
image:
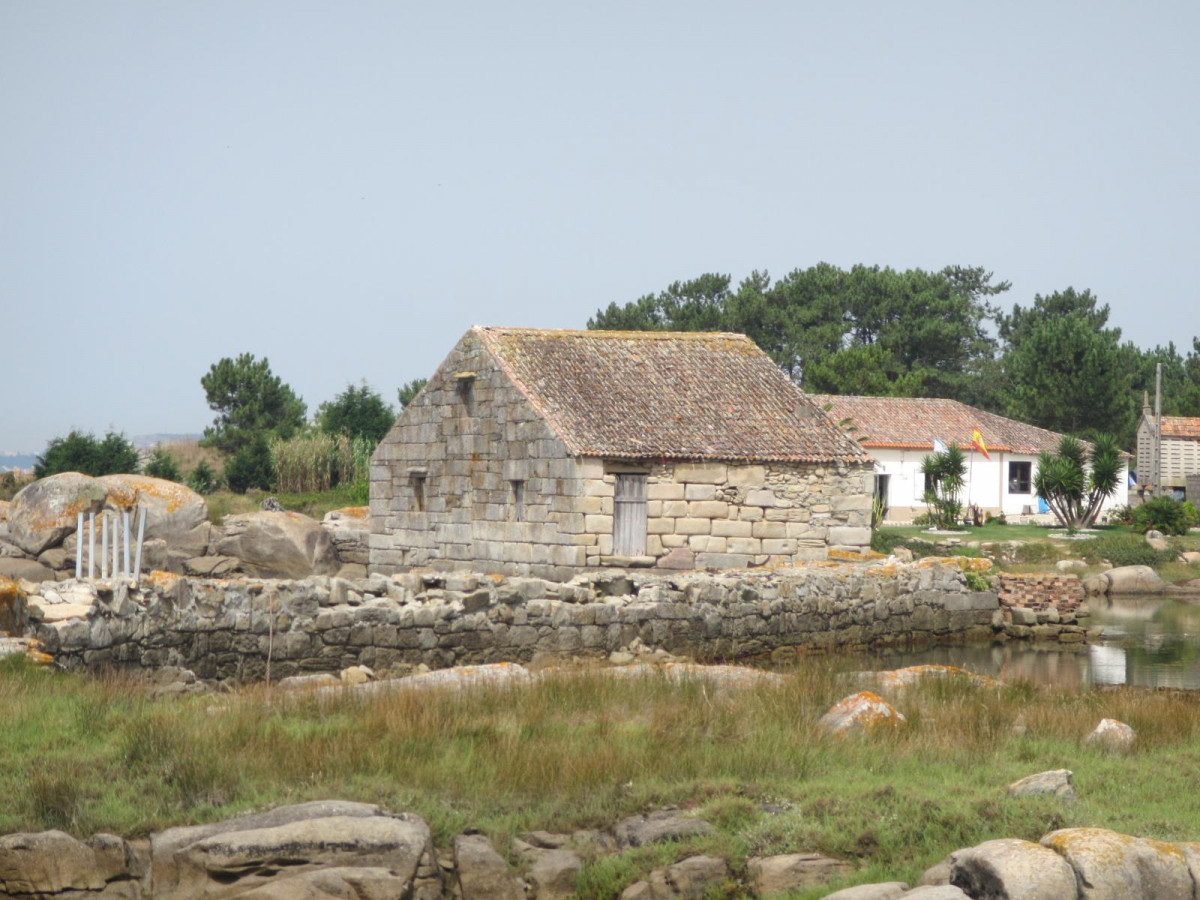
(417, 482)
(518, 501)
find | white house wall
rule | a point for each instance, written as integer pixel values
(986, 484)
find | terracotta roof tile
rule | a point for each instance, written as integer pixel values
(1180, 427)
(913, 423)
(666, 395)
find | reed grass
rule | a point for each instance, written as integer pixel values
(319, 461)
(582, 749)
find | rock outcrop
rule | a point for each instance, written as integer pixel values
(862, 712)
(278, 545)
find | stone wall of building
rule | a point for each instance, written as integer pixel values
(445, 482)
(230, 629)
(715, 515)
(442, 481)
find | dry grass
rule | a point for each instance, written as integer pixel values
(188, 455)
(581, 749)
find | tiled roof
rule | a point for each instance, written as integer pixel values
(913, 423)
(666, 395)
(1180, 427)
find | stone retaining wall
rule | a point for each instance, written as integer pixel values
(1040, 591)
(229, 629)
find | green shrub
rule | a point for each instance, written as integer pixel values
(1121, 515)
(251, 467)
(360, 492)
(1035, 552)
(1161, 514)
(79, 452)
(203, 479)
(884, 540)
(1123, 550)
(162, 465)
(978, 582)
(1192, 514)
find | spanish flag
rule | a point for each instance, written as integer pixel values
(978, 444)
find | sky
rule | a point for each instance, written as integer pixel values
(346, 187)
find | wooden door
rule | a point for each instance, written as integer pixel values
(629, 516)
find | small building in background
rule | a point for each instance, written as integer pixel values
(1180, 455)
(545, 452)
(900, 431)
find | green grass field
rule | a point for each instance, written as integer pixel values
(582, 750)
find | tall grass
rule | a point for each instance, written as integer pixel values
(581, 749)
(319, 461)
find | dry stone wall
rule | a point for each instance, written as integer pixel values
(230, 629)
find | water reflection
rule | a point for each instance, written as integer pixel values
(1147, 642)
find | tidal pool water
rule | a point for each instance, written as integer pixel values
(1147, 642)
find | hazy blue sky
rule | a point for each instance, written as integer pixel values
(346, 187)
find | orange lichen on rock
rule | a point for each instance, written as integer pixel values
(123, 491)
(899, 678)
(865, 711)
(352, 512)
(159, 578)
(854, 555)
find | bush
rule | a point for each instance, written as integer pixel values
(162, 465)
(978, 582)
(1192, 514)
(251, 467)
(1121, 515)
(360, 492)
(1123, 550)
(1161, 514)
(79, 452)
(203, 479)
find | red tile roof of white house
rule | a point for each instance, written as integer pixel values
(914, 422)
(666, 395)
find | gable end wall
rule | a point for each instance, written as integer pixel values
(471, 452)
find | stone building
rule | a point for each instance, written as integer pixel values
(546, 452)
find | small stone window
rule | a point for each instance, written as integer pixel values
(518, 500)
(416, 481)
(1020, 477)
(464, 385)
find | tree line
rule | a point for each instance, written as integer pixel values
(1057, 363)
(261, 432)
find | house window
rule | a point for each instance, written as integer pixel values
(518, 501)
(1020, 477)
(629, 516)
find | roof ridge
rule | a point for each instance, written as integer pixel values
(611, 333)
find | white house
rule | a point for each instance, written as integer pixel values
(900, 431)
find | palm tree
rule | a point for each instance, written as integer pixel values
(1075, 480)
(946, 474)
